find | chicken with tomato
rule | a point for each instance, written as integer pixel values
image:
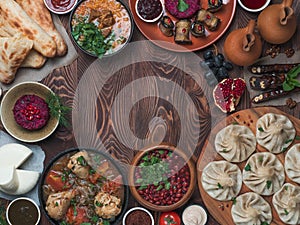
(83, 187)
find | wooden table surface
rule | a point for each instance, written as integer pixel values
(64, 82)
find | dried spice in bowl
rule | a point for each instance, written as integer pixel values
(138, 216)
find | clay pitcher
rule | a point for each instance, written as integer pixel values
(277, 23)
(242, 46)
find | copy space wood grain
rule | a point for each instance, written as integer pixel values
(221, 211)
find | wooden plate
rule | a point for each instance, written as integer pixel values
(221, 211)
(153, 33)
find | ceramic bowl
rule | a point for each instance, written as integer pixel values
(60, 9)
(137, 209)
(98, 157)
(254, 9)
(126, 32)
(152, 20)
(7, 116)
(187, 187)
(23, 211)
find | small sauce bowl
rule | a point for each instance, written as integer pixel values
(254, 6)
(23, 211)
(137, 210)
(146, 12)
(60, 6)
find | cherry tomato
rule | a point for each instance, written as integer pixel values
(169, 218)
(76, 215)
(56, 181)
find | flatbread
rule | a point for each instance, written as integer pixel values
(34, 60)
(16, 20)
(37, 10)
(13, 51)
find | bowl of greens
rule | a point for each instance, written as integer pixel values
(101, 28)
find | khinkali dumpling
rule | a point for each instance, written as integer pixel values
(235, 143)
(287, 204)
(292, 163)
(274, 132)
(222, 180)
(250, 208)
(263, 173)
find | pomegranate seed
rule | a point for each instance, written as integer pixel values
(208, 16)
(183, 30)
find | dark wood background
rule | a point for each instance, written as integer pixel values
(64, 82)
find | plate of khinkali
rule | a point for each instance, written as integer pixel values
(287, 203)
(275, 132)
(292, 163)
(222, 180)
(264, 143)
(235, 143)
(263, 173)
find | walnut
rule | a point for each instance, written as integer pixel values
(289, 52)
(291, 103)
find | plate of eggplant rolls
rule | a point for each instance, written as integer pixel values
(185, 25)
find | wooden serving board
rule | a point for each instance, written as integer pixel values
(221, 211)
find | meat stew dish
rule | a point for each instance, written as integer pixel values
(83, 186)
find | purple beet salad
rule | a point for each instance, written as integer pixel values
(175, 9)
(31, 112)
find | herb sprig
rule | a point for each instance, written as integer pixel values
(182, 6)
(57, 109)
(290, 81)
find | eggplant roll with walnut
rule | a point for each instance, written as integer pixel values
(182, 32)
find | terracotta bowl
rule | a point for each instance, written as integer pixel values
(7, 116)
(135, 189)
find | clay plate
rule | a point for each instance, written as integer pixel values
(8, 119)
(153, 33)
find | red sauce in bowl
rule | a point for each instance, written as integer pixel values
(149, 9)
(60, 5)
(251, 4)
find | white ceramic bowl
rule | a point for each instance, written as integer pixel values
(153, 20)
(7, 116)
(26, 214)
(68, 9)
(254, 10)
(137, 208)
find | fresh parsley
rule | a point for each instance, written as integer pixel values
(261, 159)
(220, 186)
(288, 141)
(57, 109)
(182, 6)
(261, 129)
(248, 167)
(284, 149)
(264, 223)
(233, 200)
(297, 138)
(153, 171)
(269, 183)
(290, 81)
(286, 212)
(224, 151)
(81, 161)
(286, 188)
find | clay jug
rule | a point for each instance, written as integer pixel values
(277, 23)
(242, 46)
